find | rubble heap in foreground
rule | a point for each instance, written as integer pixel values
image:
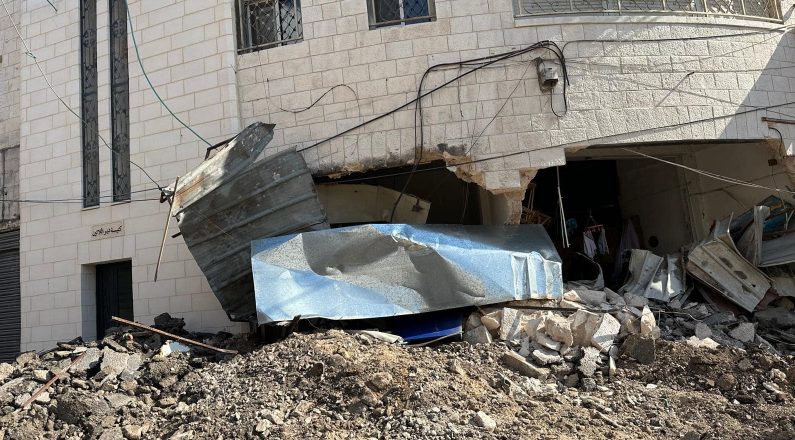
(335, 385)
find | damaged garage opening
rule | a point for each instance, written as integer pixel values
(433, 195)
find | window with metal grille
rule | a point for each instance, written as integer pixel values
(394, 12)
(268, 23)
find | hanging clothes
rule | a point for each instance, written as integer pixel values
(601, 244)
(588, 244)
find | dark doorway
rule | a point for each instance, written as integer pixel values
(114, 294)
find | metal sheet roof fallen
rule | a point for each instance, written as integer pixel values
(232, 199)
(717, 263)
(384, 270)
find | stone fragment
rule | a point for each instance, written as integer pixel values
(744, 332)
(584, 296)
(589, 362)
(482, 420)
(276, 417)
(558, 328)
(612, 369)
(41, 375)
(633, 300)
(166, 402)
(89, 360)
(702, 343)
(566, 304)
(473, 321)
(605, 333)
(492, 320)
(703, 331)
(262, 426)
(75, 407)
(26, 358)
(745, 365)
(43, 398)
(648, 325)
(546, 357)
(583, 325)
(5, 371)
(726, 382)
(380, 381)
(112, 434)
(133, 432)
(478, 335)
(520, 365)
(777, 375)
(511, 325)
(640, 348)
(545, 341)
(524, 349)
(117, 400)
(614, 298)
(113, 362)
(533, 323)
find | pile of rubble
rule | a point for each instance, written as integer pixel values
(574, 348)
(338, 385)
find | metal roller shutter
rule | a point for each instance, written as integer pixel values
(10, 315)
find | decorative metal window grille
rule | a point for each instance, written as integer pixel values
(754, 9)
(268, 23)
(88, 101)
(394, 12)
(119, 101)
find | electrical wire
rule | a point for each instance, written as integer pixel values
(148, 81)
(711, 175)
(29, 53)
(297, 111)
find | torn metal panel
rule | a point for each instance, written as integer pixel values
(355, 204)
(750, 243)
(230, 200)
(778, 251)
(716, 263)
(383, 270)
(780, 213)
(643, 265)
(668, 282)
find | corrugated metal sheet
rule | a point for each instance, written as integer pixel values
(231, 199)
(717, 263)
(382, 270)
(10, 322)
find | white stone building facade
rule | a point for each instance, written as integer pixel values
(693, 87)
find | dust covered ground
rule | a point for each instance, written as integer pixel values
(333, 385)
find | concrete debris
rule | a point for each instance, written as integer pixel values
(605, 332)
(558, 328)
(703, 330)
(589, 362)
(511, 324)
(583, 296)
(744, 332)
(493, 320)
(519, 364)
(641, 348)
(482, 420)
(648, 325)
(546, 357)
(478, 335)
(696, 342)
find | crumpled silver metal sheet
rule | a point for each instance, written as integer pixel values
(383, 270)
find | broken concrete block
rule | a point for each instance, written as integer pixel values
(492, 320)
(478, 335)
(648, 325)
(583, 324)
(558, 328)
(605, 333)
(473, 321)
(90, 360)
(546, 357)
(591, 297)
(5, 371)
(482, 420)
(702, 343)
(545, 341)
(744, 332)
(113, 362)
(633, 300)
(511, 325)
(640, 348)
(589, 362)
(524, 349)
(566, 304)
(520, 365)
(703, 331)
(534, 323)
(614, 298)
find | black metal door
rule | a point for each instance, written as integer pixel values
(10, 311)
(114, 294)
